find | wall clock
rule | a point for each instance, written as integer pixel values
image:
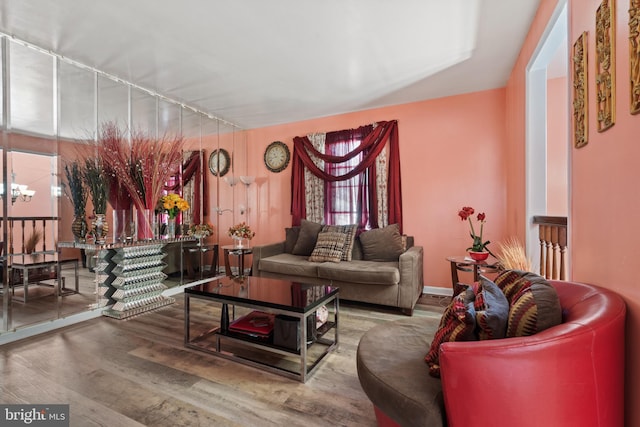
(219, 162)
(277, 156)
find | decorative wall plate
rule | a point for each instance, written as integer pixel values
(277, 156)
(219, 162)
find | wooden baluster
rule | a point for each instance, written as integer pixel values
(547, 239)
(554, 244)
(542, 249)
(562, 242)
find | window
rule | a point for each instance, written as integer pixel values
(346, 201)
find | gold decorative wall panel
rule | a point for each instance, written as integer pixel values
(634, 54)
(605, 65)
(580, 104)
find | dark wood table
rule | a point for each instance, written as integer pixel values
(240, 253)
(464, 263)
(201, 260)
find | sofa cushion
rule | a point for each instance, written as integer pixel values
(457, 324)
(328, 247)
(533, 303)
(307, 238)
(492, 310)
(382, 244)
(366, 272)
(294, 265)
(291, 237)
(350, 235)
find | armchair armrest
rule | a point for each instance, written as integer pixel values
(265, 251)
(411, 266)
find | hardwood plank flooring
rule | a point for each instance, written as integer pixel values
(137, 372)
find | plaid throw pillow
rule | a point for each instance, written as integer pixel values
(350, 236)
(457, 324)
(328, 247)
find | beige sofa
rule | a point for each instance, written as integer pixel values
(395, 282)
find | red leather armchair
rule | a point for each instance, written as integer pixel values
(568, 375)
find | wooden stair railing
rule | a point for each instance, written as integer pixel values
(552, 231)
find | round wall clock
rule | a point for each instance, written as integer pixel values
(277, 156)
(219, 162)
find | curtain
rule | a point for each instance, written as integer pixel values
(192, 171)
(385, 133)
(314, 186)
(342, 195)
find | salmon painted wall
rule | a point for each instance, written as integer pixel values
(452, 155)
(557, 152)
(603, 177)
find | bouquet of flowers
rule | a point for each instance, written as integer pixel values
(241, 231)
(478, 244)
(200, 230)
(173, 203)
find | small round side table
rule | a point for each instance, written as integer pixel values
(464, 263)
(240, 253)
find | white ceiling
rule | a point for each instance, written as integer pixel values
(257, 63)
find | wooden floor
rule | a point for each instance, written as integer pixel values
(137, 372)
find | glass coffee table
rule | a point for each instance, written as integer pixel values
(211, 309)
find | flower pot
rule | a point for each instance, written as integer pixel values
(171, 228)
(100, 228)
(79, 228)
(237, 242)
(144, 224)
(478, 256)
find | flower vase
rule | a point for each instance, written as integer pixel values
(237, 242)
(79, 228)
(478, 256)
(121, 220)
(171, 228)
(144, 225)
(100, 228)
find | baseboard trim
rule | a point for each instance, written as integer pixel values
(436, 290)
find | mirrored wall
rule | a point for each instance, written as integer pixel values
(50, 108)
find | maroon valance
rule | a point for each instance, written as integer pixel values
(371, 146)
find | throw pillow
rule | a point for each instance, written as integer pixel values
(291, 237)
(328, 247)
(382, 244)
(307, 238)
(492, 310)
(457, 324)
(533, 303)
(350, 236)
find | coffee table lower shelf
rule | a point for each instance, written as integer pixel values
(262, 353)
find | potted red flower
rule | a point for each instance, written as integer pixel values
(478, 250)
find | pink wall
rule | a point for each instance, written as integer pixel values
(557, 149)
(452, 155)
(603, 177)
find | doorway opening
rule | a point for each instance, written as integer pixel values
(547, 128)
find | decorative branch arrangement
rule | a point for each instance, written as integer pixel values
(634, 55)
(97, 183)
(580, 94)
(605, 65)
(140, 167)
(75, 188)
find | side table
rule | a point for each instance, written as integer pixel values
(240, 253)
(196, 260)
(463, 263)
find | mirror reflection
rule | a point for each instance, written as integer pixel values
(47, 275)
